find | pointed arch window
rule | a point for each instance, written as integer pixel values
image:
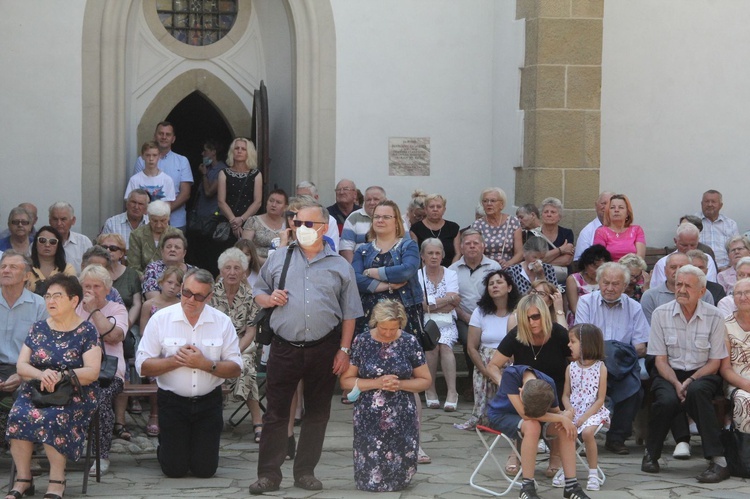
(197, 22)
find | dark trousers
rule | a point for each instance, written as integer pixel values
(189, 433)
(623, 415)
(666, 406)
(463, 335)
(287, 365)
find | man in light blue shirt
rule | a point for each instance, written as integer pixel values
(177, 167)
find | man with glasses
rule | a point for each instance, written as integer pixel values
(190, 348)
(133, 217)
(19, 310)
(62, 218)
(313, 320)
(686, 239)
(346, 202)
(19, 239)
(307, 188)
(626, 334)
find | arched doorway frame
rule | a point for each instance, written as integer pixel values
(105, 131)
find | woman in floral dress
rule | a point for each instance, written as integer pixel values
(62, 341)
(387, 368)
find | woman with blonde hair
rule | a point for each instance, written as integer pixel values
(240, 189)
(415, 210)
(433, 225)
(503, 238)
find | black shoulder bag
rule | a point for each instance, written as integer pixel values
(262, 322)
(62, 394)
(429, 334)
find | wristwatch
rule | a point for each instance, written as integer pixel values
(347, 351)
(213, 366)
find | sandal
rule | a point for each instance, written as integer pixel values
(258, 429)
(345, 400)
(469, 425)
(121, 431)
(552, 469)
(17, 494)
(52, 495)
(512, 465)
(422, 457)
(432, 404)
(152, 428)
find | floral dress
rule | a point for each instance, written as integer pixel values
(386, 427)
(739, 356)
(448, 330)
(498, 241)
(263, 234)
(584, 390)
(64, 428)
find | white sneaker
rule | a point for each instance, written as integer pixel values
(541, 447)
(103, 467)
(693, 428)
(681, 451)
(594, 483)
(559, 479)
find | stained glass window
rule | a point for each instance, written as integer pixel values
(197, 22)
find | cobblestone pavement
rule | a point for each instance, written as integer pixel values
(135, 473)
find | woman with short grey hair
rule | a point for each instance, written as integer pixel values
(560, 249)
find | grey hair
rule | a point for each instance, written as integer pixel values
(479, 211)
(553, 202)
(500, 193)
(619, 267)
(696, 253)
(672, 255)
(308, 202)
(19, 211)
(233, 255)
(306, 184)
(432, 241)
(62, 205)
(140, 192)
(688, 229)
(435, 197)
(376, 187)
(731, 241)
(26, 259)
(633, 260)
(98, 273)
(472, 232)
(200, 275)
(159, 209)
(745, 260)
(535, 244)
(692, 270)
(97, 250)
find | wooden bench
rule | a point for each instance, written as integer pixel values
(653, 255)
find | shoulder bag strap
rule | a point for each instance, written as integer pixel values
(424, 286)
(289, 251)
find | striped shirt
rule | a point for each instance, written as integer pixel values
(355, 231)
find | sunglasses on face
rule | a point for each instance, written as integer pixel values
(535, 317)
(189, 294)
(20, 222)
(111, 247)
(307, 223)
(52, 241)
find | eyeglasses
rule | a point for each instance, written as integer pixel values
(535, 317)
(52, 241)
(344, 189)
(309, 224)
(20, 222)
(111, 247)
(290, 214)
(53, 296)
(383, 217)
(543, 294)
(189, 294)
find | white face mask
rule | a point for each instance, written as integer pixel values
(306, 237)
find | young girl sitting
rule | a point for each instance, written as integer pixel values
(585, 390)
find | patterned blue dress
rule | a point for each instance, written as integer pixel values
(63, 428)
(386, 428)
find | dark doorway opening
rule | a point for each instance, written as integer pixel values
(196, 120)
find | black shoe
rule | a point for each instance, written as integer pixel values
(650, 465)
(291, 448)
(262, 485)
(575, 493)
(528, 492)
(616, 447)
(308, 482)
(714, 474)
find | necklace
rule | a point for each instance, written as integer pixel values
(432, 231)
(534, 352)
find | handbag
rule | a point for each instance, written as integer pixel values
(60, 396)
(109, 362)
(224, 229)
(262, 321)
(429, 333)
(204, 226)
(736, 448)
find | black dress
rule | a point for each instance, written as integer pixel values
(447, 233)
(240, 194)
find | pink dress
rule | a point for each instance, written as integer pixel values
(620, 244)
(584, 389)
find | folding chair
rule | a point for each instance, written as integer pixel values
(261, 380)
(499, 437)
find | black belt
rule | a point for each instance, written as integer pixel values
(197, 398)
(308, 344)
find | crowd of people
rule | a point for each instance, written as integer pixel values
(560, 333)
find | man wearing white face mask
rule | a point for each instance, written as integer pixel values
(313, 323)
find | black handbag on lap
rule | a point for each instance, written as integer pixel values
(429, 333)
(262, 321)
(62, 395)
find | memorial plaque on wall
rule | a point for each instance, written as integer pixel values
(409, 156)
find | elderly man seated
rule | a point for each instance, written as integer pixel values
(687, 340)
(626, 333)
(686, 239)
